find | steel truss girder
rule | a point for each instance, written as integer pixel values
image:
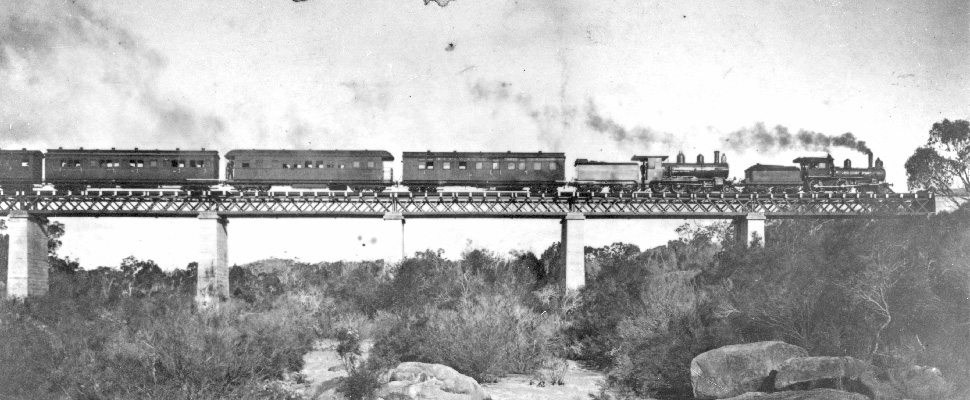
(458, 206)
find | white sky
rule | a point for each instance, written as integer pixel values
(521, 76)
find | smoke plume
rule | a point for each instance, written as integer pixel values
(69, 77)
(780, 138)
(551, 122)
(637, 136)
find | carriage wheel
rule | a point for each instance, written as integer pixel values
(678, 187)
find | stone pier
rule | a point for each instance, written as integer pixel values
(27, 261)
(212, 284)
(573, 250)
(749, 227)
(393, 246)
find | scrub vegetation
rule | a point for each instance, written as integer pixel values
(891, 292)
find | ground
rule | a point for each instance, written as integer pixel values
(322, 369)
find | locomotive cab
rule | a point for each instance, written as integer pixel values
(651, 168)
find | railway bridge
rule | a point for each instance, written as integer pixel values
(28, 266)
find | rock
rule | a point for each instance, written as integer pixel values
(430, 381)
(921, 383)
(816, 394)
(737, 369)
(880, 390)
(809, 369)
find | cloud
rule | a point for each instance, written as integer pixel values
(69, 77)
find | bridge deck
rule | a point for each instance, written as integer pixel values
(149, 203)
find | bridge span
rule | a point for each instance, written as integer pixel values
(27, 269)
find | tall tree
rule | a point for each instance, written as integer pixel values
(944, 161)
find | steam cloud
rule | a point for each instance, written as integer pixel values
(70, 78)
(780, 138)
(639, 136)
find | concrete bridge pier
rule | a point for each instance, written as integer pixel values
(212, 280)
(393, 247)
(749, 227)
(27, 262)
(573, 246)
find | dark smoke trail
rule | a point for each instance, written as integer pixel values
(637, 135)
(780, 138)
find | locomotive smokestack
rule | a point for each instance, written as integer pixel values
(717, 157)
(870, 159)
(680, 158)
(700, 158)
(878, 162)
(724, 158)
(847, 164)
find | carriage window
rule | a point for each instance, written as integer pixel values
(245, 164)
(94, 163)
(370, 164)
(298, 166)
(552, 166)
(478, 165)
(175, 163)
(342, 166)
(511, 165)
(141, 164)
(330, 165)
(24, 163)
(495, 165)
(131, 163)
(308, 164)
(462, 165)
(181, 163)
(421, 165)
(201, 164)
(77, 163)
(537, 166)
(356, 164)
(153, 163)
(522, 166)
(821, 165)
(192, 163)
(429, 164)
(63, 163)
(446, 165)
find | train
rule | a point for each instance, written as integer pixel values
(73, 171)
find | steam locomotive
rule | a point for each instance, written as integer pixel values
(815, 174)
(74, 171)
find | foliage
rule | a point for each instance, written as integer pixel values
(943, 161)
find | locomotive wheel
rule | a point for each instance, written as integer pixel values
(728, 189)
(693, 189)
(815, 186)
(657, 187)
(842, 184)
(678, 187)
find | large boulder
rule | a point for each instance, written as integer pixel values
(816, 394)
(430, 381)
(738, 369)
(921, 383)
(813, 369)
